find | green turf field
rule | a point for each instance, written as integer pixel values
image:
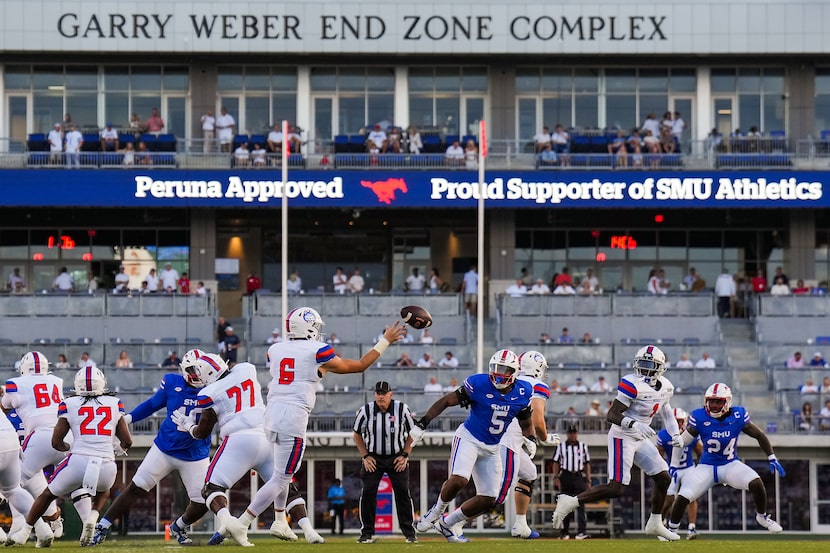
(631, 544)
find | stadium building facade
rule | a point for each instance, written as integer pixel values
(724, 197)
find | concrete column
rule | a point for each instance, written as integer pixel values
(800, 104)
(801, 261)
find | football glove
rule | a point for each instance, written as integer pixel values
(645, 431)
(529, 445)
(552, 440)
(417, 434)
(673, 473)
(116, 447)
(128, 418)
(184, 423)
(676, 441)
(775, 466)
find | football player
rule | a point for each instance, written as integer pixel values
(687, 460)
(640, 396)
(35, 395)
(95, 420)
(719, 424)
(171, 450)
(296, 367)
(232, 401)
(532, 367)
(494, 399)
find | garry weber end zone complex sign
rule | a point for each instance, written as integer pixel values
(445, 189)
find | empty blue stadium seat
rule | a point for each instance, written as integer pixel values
(823, 339)
(166, 143)
(37, 142)
(341, 144)
(357, 143)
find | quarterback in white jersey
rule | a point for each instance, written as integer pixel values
(35, 395)
(296, 367)
(95, 420)
(532, 367)
(640, 396)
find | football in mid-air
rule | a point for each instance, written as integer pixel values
(416, 316)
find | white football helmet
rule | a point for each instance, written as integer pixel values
(718, 399)
(533, 364)
(304, 323)
(650, 364)
(207, 370)
(90, 381)
(681, 417)
(188, 361)
(504, 365)
(34, 363)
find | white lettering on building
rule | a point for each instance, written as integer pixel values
(247, 191)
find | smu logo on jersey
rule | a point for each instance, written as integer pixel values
(190, 401)
(500, 407)
(724, 434)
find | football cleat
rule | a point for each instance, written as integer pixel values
(88, 531)
(427, 522)
(523, 531)
(181, 534)
(691, 534)
(216, 539)
(238, 531)
(366, 539)
(447, 532)
(100, 535)
(20, 537)
(458, 530)
(767, 522)
(313, 537)
(565, 505)
(654, 527)
(280, 529)
(582, 536)
(57, 527)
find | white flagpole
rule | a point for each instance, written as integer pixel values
(284, 216)
(482, 153)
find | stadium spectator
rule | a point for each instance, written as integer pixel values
(232, 345)
(545, 338)
(554, 386)
(651, 124)
(154, 123)
(152, 281)
(376, 140)
(795, 361)
(591, 280)
(539, 287)
(55, 140)
(221, 328)
(725, 290)
(274, 337)
(601, 386)
(818, 360)
(805, 418)
(809, 387)
(469, 287)
(759, 282)
(825, 416)
(426, 337)
(16, 284)
(294, 285)
(779, 273)
(542, 139)
(63, 282)
(454, 155)
(109, 139)
(336, 496)
(340, 282)
(208, 131)
(414, 140)
(404, 361)
(705, 362)
(690, 278)
(356, 282)
(800, 288)
(123, 361)
(172, 360)
(452, 386)
(425, 362)
(825, 385)
(547, 157)
(779, 288)
(685, 362)
(595, 409)
(200, 288)
(333, 339)
(225, 127)
(449, 361)
(566, 338)
(560, 139)
(564, 289)
(562, 278)
(407, 337)
(517, 289)
(252, 284)
(586, 339)
(433, 386)
(85, 361)
(578, 387)
(416, 281)
(63, 362)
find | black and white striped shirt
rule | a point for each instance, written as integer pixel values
(572, 457)
(384, 433)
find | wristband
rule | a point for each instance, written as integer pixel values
(381, 346)
(367, 455)
(772, 457)
(403, 454)
(423, 422)
(532, 439)
(627, 422)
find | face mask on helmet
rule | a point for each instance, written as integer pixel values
(34, 363)
(504, 364)
(90, 381)
(718, 400)
(681, 417)
(304, 323)
(533, 364)
(188, 362)
(650, 364)
(207, 370)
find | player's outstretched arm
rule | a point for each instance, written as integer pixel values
(122, 432)
(339, 365)
(751, 429)
(615, 413)
(59, 433)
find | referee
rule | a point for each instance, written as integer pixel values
(380, 431)
(572, 475)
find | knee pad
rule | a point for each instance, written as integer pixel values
(524, 487)
(211, 491)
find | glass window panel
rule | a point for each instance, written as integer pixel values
(447, 79)
(176, 79)
(17, 77)
(323, 78)
(284, 79)
(557, 81)
(474, 80)
(620, 111)
(420, 79)
(146, 78)
(652, 80)
(46, 76)
(257, 78)
(773, 80)
(620, 80)
(381, 80)
(85, 78)
(524, 239)
(823, 80)
(284, 106)
(420, 111)
(382, 108)
(352, 114)
(117, 108)
(749, 80)
(229, 79)
(143, 104)
(447, 114)
(351, 79)
(723, 80)
(773, 113)
(749, 111)
(47, 108)
(822, 113)
(586, 80)
(45, 242)
(652, 103)
(557, 111)
(84, 109)
(14, 244)
(586, 114)
(257, 114)
(683, 80)
(116, 78)
(527, 117)
(528, 80)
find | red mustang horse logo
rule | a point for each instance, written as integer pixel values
(385, 189)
